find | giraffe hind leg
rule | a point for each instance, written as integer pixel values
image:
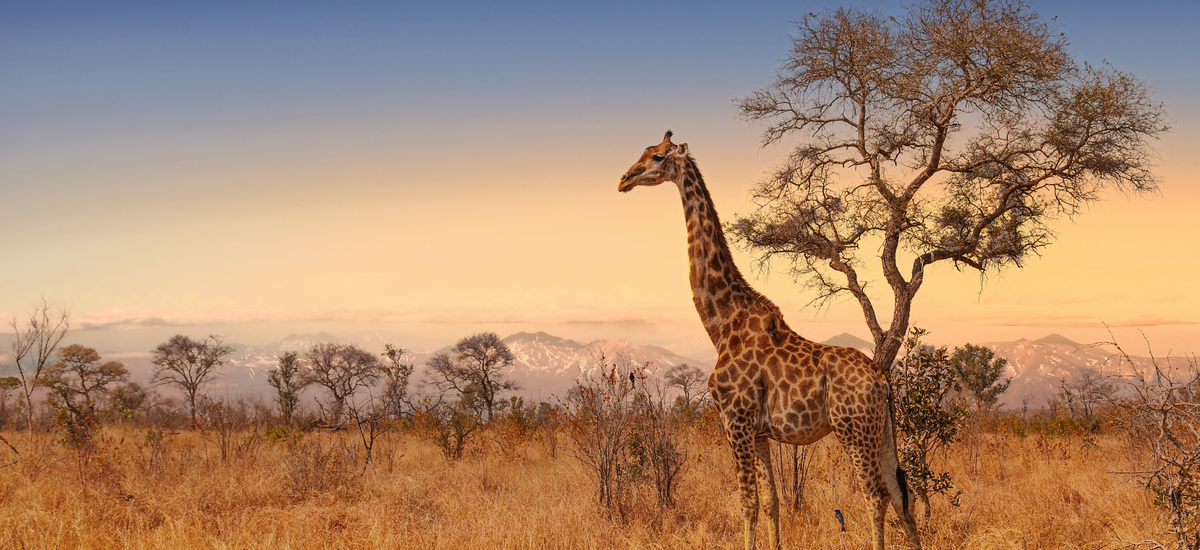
(866, 463)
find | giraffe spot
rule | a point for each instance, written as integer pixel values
(754, 324)
(806, 386)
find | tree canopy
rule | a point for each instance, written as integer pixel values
(957, 132)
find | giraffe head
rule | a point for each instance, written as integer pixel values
(659, 163)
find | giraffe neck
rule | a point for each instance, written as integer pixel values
(718, 288)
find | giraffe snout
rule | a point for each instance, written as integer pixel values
(627, 180)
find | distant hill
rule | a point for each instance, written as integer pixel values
(1058, 339)
(548, 365)
(1037, 368)
(541, 338)
(847, 340)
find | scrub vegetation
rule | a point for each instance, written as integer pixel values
(622, 461)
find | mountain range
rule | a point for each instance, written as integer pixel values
(546, 365)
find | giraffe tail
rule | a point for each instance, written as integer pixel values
(894, 476)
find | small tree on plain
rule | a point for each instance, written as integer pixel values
(128, 399)
(342, 369)
(689, 380)
(189, 365)
(475, 371)
(8, 384)
(288, 381)
(1086, 394)
(958, 132)
(395, 382)
(79, 374)
(76, 380)
(33, 346)
(981, 373)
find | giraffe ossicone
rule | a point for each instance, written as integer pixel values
(769, 383)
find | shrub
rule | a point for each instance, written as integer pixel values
(923, 381)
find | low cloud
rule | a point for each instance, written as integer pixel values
(122, 319)
(1151, 321)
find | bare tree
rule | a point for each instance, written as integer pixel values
(689, 380)
(474, 371)
(372, 419)
(342, 369)
(33, 346)
(1160, 412)
(288, 380)
(189, 365)
(1084, 397)
(958, 132)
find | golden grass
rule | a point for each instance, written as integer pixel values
(1017, 493)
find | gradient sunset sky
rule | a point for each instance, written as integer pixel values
(442, 168)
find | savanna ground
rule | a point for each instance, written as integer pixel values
(146, 488)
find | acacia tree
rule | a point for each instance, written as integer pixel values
(342, 369)
(33, 346)
(474, 371)
(75, 381)
(189, 365)
(78, 377)
(955, 133)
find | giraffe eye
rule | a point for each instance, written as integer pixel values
(657, 158)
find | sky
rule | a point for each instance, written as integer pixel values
(443, 168)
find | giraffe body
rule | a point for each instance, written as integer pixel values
(770, 383)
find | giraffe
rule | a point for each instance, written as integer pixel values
(769, 383)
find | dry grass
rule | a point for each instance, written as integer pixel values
(1018, 493)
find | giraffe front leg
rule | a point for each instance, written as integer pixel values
(741, 441)
(770, 498)
(749, 490)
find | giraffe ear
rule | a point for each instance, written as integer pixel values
(681, 149)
